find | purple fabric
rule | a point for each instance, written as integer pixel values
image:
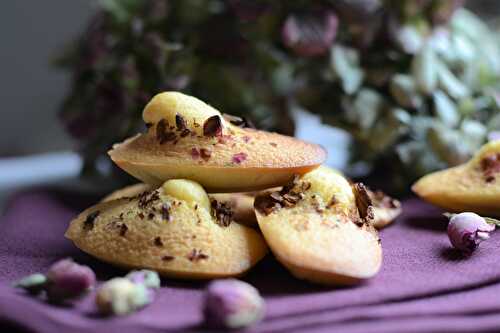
(424, 286)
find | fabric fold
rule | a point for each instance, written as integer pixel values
(424, 285)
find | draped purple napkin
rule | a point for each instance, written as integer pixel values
(424, 286)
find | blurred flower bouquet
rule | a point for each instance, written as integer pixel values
(414, 82)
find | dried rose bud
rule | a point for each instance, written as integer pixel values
(232, 304)
(467, 230)
(150, 279)
(33, 284)
(67, 279)
(310, 34)
(120, 296)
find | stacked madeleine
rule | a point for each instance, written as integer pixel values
(194, 216)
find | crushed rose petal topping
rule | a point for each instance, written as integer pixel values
(123, 229)
(212, 126)
(147, 198)
(490, 166)
(222, 212)
(158, 242)
(165, 212)
(238, 121)
(239, 157)
(88, 224)
(363, 202)
(288, 197)
(205, 153)
(195, 153)
(197, 255)
(162, 132)
(180, 122)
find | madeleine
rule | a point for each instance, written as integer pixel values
(319, 227)
(189, 139)
(473, 186)
(176, 230)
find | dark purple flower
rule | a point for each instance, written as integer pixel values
(157, 10)
(110, 100)
(362, 19)
(81, 125)
(467, 230)
(221, 39)
(95, 44)
(67, 279)
(232, 304)
(310, 34)
(154, 42)
(248, 10)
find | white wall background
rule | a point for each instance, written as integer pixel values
(31, 32)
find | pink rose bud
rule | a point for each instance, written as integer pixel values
(120, 296)
(67, 279)
(232, 304)
(467, 230)
(310, 34)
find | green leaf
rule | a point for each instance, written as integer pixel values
(441, 43)
(468, 24)
(282, 79)
(365, 108)
(345, 64)
(418, 158)
(474, 133)
(463, 48)
(445, 109)
(404, 91)
(448, 145)
(491, 220)
(424, 69)
(450, 84)
(121, 10)
(388, 129)
(409, 38)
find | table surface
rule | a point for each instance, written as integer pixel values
(424, 286)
